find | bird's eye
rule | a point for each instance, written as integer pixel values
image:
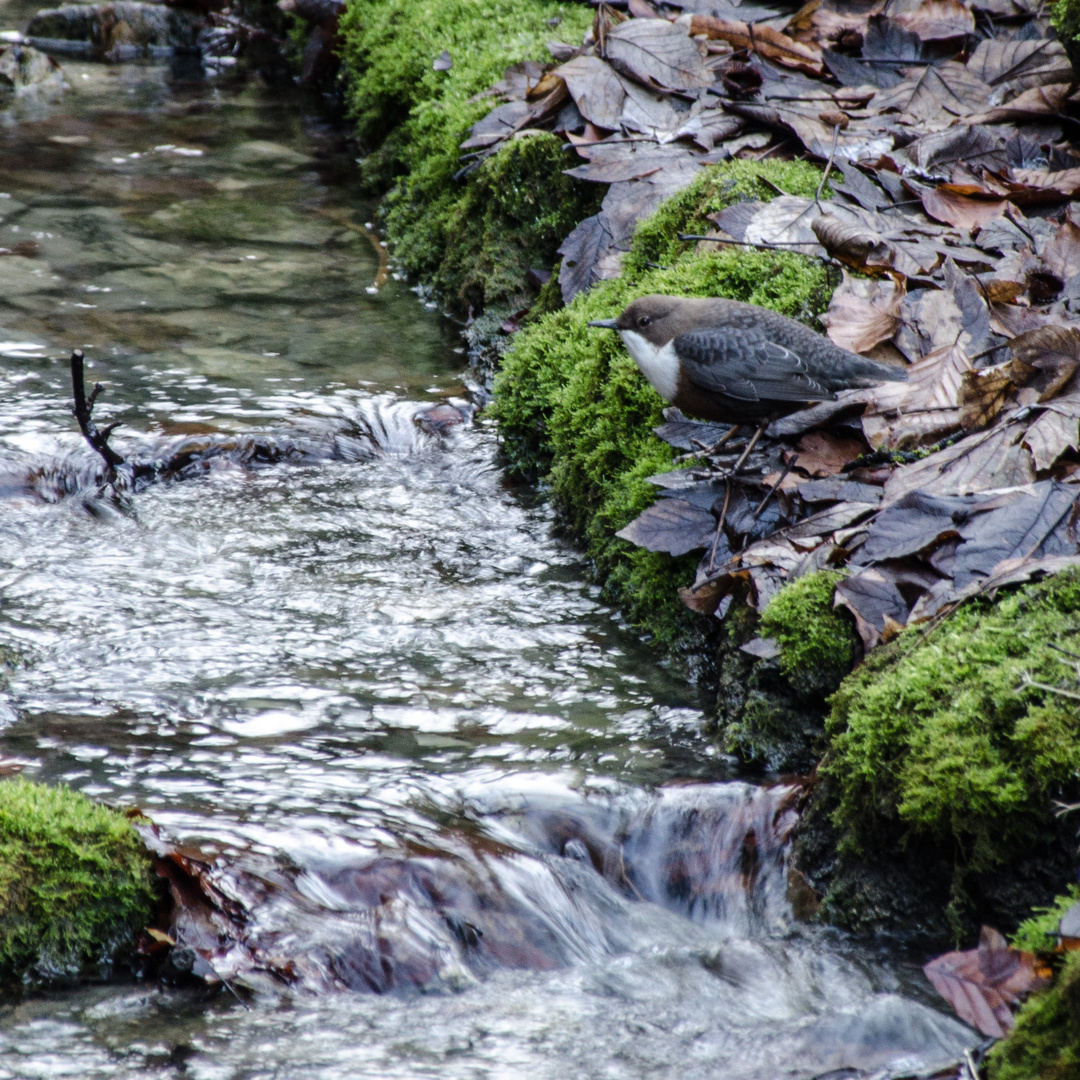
(644, 320)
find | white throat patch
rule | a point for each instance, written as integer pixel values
(659, 366)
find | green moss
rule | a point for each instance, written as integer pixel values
(817, 643)
(941, 736)
(575, 412)
(1065, 16)
(1045, 1043)
(514, 210)
(512, 215)
(1036, 934)
(76, 883)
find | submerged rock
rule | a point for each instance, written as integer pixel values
(25, 70)
(120, 31)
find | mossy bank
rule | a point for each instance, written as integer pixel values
(933, 804)
(472, 237)
(76, 886)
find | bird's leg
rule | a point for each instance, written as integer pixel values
(750, 446)
(708, 451)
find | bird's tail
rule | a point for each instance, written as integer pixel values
(862, 372)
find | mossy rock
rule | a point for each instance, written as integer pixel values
(576, 415)
(76, 885)
(817, 642)
(471, 237)
(1045, 1043)
(771, 712)
(942, 754)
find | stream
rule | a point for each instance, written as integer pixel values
(490, 835)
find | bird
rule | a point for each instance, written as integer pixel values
(736, 363)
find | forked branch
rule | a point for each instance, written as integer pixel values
(98, 438)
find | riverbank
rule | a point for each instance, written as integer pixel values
(577, 418)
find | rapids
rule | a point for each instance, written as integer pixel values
(476, 827)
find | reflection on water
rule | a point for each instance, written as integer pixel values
(367, 681)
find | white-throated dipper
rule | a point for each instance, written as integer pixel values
(737, 363)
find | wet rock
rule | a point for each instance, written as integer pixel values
(25, 70)
(121, 31)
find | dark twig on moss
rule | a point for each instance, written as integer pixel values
(98, 438)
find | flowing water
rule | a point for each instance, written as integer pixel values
(477, 826)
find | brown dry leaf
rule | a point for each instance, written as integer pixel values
(596, 90)
(1065, 182)
(964, 205)
(935, 94)
(1039, 101)
(938, 20)
(657, 53)
(1050, 436)
(858, 247)
(1061, 256)
(980, 984)
(983, 394)
(863, 313)
(823, 454)
(1020, 65)
(764, 40)
(925, 407)
(1054, 351)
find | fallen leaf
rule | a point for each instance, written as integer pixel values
(657, 53)
(1039, 101)
(823, 454)
(596, 90)
(1054, 351)
(983, 394)
(1065, 183)
(1030, 525)
(935, 20)
(1050, 436)
(858, 247)
(1061, 255)
(980, 984)
(963, 205)
(762, 39)
(1020, 64)
(674, 526)
(863, 313)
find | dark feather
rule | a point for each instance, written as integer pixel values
(746, 365)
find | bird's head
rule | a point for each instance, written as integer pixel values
(655, 318)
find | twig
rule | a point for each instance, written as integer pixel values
(828, 166)
(1028, 681)
(773, 490)
(1067, 652)
(720, 524)
(98, 439)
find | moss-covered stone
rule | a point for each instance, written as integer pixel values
(940, 747)
(575, 412)
(1045, 1043)
(473, 237)
(76, 884)
(771, 712)
(817, 643)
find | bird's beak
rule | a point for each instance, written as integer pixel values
(605, 324)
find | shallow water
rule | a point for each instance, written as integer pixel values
(484, 825)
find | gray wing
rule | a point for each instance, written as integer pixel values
(747, 366)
